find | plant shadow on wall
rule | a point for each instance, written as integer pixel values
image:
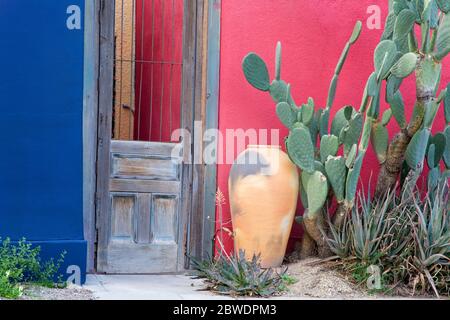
(21, 265)
(330, 158)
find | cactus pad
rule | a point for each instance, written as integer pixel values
(389, 26)
(279, 91)
(443, 38)
(332, 91)
(278, 61)
(351, 156)
(392, 87)
(352, 178)
(404, 24)
(336, 173)
(301, 148)
(387, 115)
(430, 114)
(399, 5)
(417, 148)
(434, 176)
(398, 109)
(286, 115)
(324, 121)
(308, 112)
(340, 120)
(255, 71)
(353, 133)
(438, 144)
(304, 176)
(431, 156)
(329, 145)
(444, 5)
(385, 57)
(317, 191)
(405, 65)
(356, 32)
(380, 141)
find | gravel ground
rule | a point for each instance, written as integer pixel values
(319, 281)
(70, 293)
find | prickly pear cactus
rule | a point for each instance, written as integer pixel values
(310, 144)
(400, 54)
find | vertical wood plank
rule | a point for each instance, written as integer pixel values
(104, 125)
(187, 121)
(211, 121)
(197, 217)
(90, 111)
(205, 111)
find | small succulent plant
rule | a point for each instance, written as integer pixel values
(235, 275)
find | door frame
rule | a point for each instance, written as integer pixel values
(200, 97)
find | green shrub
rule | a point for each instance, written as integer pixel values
(235, 275)
(406, 236)
(7, 288)
(21, 263)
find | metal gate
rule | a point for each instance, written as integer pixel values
(143, 187)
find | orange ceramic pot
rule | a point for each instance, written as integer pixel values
(263, 187)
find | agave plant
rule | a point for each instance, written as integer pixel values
(235, 275)
(432, 233)
(406, 236)
(368, 226)
(364, 233)
(338, 239)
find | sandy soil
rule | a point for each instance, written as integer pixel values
(319, 281)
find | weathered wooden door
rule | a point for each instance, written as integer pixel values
(141, 190)
(142, 231)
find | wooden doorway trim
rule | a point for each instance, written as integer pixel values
(201, 34)
(206, 112)
(90, 122)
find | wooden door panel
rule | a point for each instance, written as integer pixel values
(142, 233)
(164, 219)
(144, 167)
(123, 215)
(142, 259)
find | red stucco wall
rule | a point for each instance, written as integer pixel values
(313, 33)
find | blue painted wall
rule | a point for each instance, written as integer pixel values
(41, 105)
